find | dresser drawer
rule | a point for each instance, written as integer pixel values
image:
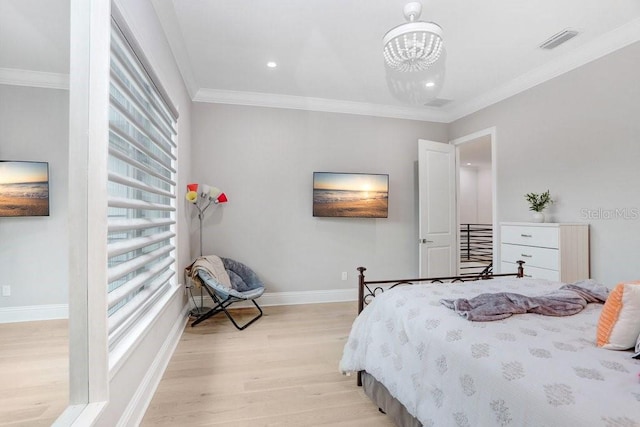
(533, 272)
(532, 255)
(546, 237)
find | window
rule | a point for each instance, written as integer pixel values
(141, 187)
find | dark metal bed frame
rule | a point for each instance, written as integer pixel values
(364, 298)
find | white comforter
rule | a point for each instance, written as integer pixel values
(527, 370)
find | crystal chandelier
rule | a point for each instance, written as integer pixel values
(414, 45)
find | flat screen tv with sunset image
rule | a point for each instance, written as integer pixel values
(354, 195)
(24, 188)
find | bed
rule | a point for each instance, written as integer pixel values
(424, 364)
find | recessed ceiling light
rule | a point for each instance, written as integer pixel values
(468, 164)
(271, 64)
(430, 84)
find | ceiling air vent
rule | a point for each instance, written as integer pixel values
(438, 102)
(559, 38)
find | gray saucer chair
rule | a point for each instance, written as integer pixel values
(245, 286)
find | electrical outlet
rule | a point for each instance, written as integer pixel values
(6, 290)
(344, 275)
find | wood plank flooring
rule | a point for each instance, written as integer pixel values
(280, 371)
(34, 371)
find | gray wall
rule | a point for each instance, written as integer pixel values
(33, 250)
(578, 136)
(263, 158)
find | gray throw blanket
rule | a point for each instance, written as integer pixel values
(569, 299)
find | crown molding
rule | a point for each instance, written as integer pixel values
(257, 99)
(607, 43)
(16, 77)
(603, 45)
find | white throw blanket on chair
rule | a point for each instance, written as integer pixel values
(214, 266)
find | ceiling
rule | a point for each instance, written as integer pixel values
(34, 35)
(329, 51)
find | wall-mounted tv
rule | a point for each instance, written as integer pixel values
(24, 188)
(355, 195)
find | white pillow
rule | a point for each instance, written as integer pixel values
(619, 323)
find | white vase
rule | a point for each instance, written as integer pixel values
(538, 217)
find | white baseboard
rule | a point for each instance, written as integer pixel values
(81, 415)
(34, 312)
(308, 297)
(140, 401)
(61, 311)
(290, 298)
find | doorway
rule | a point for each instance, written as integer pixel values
(476, 202)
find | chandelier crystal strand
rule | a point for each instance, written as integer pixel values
(415, 58)
(415, 45)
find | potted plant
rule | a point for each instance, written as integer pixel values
(537, 204)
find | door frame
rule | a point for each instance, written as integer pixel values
(492, 133)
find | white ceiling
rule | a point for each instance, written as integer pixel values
(329, 51)
(34, 35)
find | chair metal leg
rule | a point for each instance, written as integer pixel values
(240, 328)
(221, 306)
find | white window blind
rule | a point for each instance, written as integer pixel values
(141, 186)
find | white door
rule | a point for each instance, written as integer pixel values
(437, 209)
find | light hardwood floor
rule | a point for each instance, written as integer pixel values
(280, 371)
(34, 371)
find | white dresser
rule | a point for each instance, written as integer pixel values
(551, 251)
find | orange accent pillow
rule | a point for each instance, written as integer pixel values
(619, 323)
